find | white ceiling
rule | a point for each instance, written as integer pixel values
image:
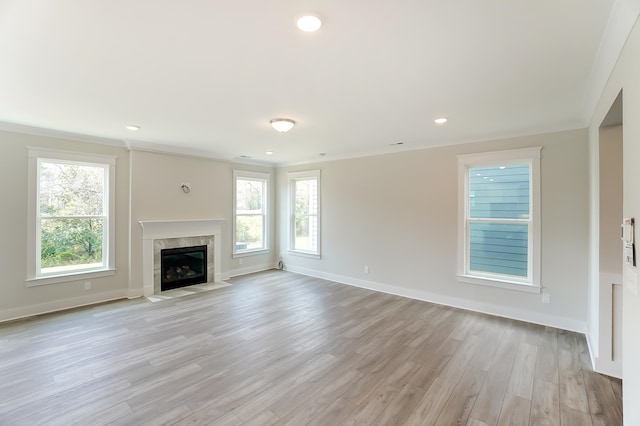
(206, 76)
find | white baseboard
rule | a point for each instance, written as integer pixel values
(61, 305)
(249, 270)
(601, 364)
(469, 305)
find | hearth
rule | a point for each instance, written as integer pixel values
(183, 266)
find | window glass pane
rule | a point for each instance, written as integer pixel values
(307, 196)
(499, 248)
(249, 232)
(68, 244)
(306, 233)
(249, 195)
(71, 190)
(499, 192)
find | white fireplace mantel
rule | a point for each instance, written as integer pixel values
(161, 229)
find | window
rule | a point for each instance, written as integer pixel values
(250, 221)
(499, 236)
(304, 208)
(71, 206)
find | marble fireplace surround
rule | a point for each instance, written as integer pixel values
(159, 234)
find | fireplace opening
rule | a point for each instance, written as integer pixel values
(183, 266)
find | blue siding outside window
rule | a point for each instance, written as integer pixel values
(499, 213)
(499, 248)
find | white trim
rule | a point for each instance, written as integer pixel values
(302, 253)
(530, 156)
(108, 162)
(292, 177)
(511, 285)
(59, 134)
(265, 178)
(61, 305)
(250, 270)
(622, 19)
(68, 277)
(249, 253)
(75, 156)
(509, 155)
(176, 149)
(161, 229)
(467, 304)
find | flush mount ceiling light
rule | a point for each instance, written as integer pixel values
(309, 23)
(282, 125)
(440, 120)
(133, 127)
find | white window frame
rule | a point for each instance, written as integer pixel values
(34, 276)
(264, 178)
(529, 156)
(293, 178)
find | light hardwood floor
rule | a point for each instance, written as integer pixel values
(277, 348)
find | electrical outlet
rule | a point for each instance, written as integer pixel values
(366, 269)
(87, 285)
(546, 298)
(240, 261)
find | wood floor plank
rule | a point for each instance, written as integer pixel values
(521, 380)
(491, 395)
(570, 417)
(545, 404)
(276, 348)
(458, 407)
(547, 357)
(572, 389)
(515, 411)
(438, 394)
(602, 401)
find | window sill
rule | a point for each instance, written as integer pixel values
(308, 254)
(55, 279)
(250, 253)
(510, 285)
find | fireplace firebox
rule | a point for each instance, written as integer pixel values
(183, 266)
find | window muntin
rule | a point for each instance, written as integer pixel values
(305, 212)
(71, 208)
(250, 212)
(500, 218)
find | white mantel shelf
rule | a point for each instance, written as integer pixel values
(160, 229)
(154, 229)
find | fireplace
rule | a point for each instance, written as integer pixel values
(183, 266)
(158, 235)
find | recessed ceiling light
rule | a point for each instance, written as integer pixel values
(440, 120)
(269, 152)
(133, 127)
(309, 23)
(502, 167)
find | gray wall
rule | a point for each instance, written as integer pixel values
(398, 214)
(17, 299)
(156, 195)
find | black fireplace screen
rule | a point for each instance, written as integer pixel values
(183, 266)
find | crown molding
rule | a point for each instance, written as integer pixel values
(59, 134)
(622, 19)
